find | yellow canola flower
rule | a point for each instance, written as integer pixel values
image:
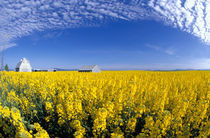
(48, 106)
(41, 133)
(109, 104)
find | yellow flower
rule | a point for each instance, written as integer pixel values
(169, 103)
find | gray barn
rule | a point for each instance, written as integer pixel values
(90, 68)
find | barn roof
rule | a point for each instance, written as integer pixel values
(23, 60)
(88, 67)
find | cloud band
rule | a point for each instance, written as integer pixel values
(20, 17)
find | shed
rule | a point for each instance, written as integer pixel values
(40, 70)
(90, 68)
(23, 66)
(51, 70)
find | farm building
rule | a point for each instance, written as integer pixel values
(40, 70)
(23, 66)
(90, 68)
(44, 70)
(51, 70)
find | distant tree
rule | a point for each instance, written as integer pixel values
(6, 67)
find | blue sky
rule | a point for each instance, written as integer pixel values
(126, 35)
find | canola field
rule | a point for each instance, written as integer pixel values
(106, 104)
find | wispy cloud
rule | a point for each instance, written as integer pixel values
(52, 35)
(200, 63)
(6, 45)
(19, 17)
(125, 52)
(168, 50)
(192, 16)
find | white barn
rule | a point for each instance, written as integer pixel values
(23, 66)
(90, 68)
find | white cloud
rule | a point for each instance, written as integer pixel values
(202, 63)
(153, 66)
(19, 17)
(191, 16)
(8, 45)
(52, 35)
(168, 50)
(123, 52)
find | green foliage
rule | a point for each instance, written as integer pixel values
(6, 67)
